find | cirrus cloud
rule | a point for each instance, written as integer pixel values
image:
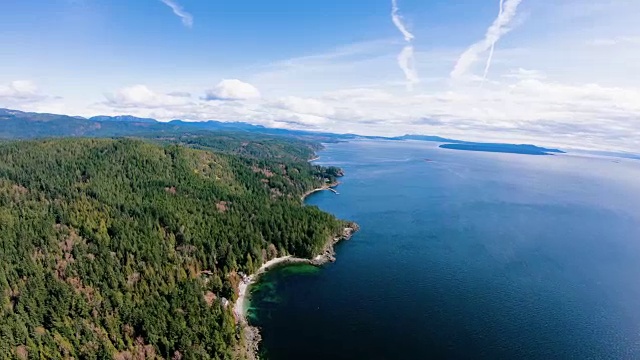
(499, 28)
(185, 17)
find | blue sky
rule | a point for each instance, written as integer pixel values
(563, 72)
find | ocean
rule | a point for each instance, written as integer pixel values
(465, 255)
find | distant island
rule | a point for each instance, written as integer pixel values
(503, 148)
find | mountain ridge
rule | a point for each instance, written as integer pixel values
(16, 124)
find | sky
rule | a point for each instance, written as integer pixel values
(550, 72)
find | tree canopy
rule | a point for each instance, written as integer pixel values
(117, 248)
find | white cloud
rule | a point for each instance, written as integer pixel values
(358, 95)
(523, 105)
(521, 73)
(180, 94)
(311, 110)
(565, 79)
(20, 90)
(406, 58)
(143, 97)
(406, 61)
(519, 105)
(233, 89)
(23, 87)
(304, 106)
(185, 17)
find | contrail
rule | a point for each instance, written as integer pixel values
(493, 34)
(187, 19)
(493, 47)
(406, 59)
(397, 21)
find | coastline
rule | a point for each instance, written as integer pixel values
(251, 333)
(322, 188)
(239, 308)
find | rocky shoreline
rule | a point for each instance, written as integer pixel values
(251, 334)
(329, 253)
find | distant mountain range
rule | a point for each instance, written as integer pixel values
(15, 124)
(123, 118)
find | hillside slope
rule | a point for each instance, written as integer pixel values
(118, 248)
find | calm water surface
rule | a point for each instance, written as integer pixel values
(469, 255)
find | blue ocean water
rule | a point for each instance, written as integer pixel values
(465, 255)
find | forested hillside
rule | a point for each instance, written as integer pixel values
(123, 248)
(256, 146)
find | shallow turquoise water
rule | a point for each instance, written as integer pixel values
(470, 255)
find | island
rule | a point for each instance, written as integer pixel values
(524, 149)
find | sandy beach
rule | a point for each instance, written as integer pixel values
(252, 333)
(239, 307)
